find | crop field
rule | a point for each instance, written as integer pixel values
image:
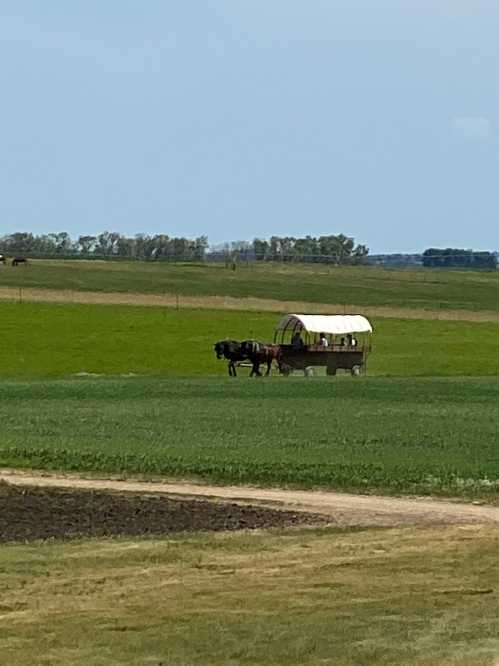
(358, 286)
(52, 340)
(394, 435)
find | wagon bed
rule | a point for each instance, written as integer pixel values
(333, 360)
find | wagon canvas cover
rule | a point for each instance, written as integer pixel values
(333, 324)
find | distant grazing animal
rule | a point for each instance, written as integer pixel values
(259, 353)
(232, 351)
(19, 260)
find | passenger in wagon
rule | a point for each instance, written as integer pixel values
(323, 342)
(351, 341)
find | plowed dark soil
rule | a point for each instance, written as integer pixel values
(28, 513)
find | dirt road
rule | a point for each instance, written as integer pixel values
(343, 509)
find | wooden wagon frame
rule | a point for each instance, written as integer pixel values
(348, 338)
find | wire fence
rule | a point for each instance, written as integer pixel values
(469, 259)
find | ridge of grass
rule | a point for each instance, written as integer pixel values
(358, 286)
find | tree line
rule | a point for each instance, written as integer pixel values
(457, 258)
(107, 244)
(333, 249)
(338, 249)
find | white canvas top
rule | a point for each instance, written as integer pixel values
(333, 324)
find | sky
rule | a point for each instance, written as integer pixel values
(250, 118)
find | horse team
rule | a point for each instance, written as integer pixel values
(255, 352)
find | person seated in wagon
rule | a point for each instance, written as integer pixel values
(351, 341)
(323, 341)
(296, 341)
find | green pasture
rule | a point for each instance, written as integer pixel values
(362, 286)
(400, 435)
(55, 340)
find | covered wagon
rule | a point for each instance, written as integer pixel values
(336, 342)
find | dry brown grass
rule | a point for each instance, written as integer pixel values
(404, 596)
(231, 303)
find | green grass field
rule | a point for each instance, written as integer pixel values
(362, 286)
(392, 435)
(50, 340)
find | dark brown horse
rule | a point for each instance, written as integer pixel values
(259, 353)
(19, 260)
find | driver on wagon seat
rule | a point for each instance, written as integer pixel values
(296, 341)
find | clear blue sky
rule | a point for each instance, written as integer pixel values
(244, 118)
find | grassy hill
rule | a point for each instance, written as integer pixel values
(53, 340)
(358, 286)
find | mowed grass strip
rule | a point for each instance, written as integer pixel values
(358, 286)
(53, 340)
(404, 596)
(403, 435)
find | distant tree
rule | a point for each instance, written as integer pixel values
(306, 249)
(62, 243)
(44, 245)
(458, 258)
(486, 260)
(200, 247)
(359, 254)
(261, 249)
(126, 247)
(19, 243)
(107, 243)
(86, 244)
